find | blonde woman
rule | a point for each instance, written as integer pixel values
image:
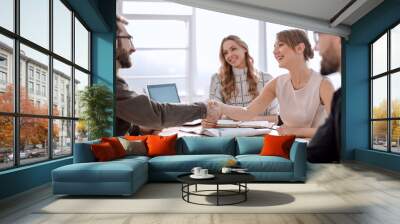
(304, 96)
(237, 82)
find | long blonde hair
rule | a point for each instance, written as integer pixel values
(226, 72)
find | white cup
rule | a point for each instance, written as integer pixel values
(226, 170)
(203, 172)
(196, 170)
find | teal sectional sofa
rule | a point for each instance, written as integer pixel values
(125, 176)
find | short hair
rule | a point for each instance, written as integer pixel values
(294, 37)
(121, 19)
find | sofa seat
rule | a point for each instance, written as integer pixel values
(119, 177)
(259, 163)
(268, 168)
(167, 168)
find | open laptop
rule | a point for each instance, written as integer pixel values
(167, 93)
(164, 93)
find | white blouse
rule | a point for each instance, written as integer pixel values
(243, 97)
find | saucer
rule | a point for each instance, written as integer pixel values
(208, 176)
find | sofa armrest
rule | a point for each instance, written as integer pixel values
(83, 152)
(298, 155)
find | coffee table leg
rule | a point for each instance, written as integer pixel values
(196, 188)
(245, 191)
(217, 194)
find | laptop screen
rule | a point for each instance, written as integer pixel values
(164, 93)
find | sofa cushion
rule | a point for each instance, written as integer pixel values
(132, 158)
(112, 171)
(116, 145)
(194, 145)
(257, 163)
(249, 145)
(103, 152)
(275, 145)
(161, 145)
(185, 163)
(136, 137)
(134, 147)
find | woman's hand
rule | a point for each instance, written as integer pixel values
(284, 130)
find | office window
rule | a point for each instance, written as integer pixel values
(34, 145)
(160, 8)
(34, 21)
(395, 47)
(7, 14)
(385, 94)
(81, 45)
(62, 29)
(6, 142)
(81, 81)
(159, 60)
(61, 74)
(41, 66)
(44, 133)
(6, 73)
(62, 137)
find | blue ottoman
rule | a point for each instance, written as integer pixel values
(119, 177)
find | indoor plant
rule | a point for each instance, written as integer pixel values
(96, 102)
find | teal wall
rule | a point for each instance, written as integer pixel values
(99, 16)
(24, 178)
(356, 85)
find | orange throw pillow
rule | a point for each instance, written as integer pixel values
(103, 152)
(116, 145)
(277, 145)
(161, 145)
(135, 138)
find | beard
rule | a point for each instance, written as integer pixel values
(124, 58)
(330, 63)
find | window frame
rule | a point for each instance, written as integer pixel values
(388, 74)
(16, 115)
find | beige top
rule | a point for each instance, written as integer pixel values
(300, 108)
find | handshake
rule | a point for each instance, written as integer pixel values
(214, 113)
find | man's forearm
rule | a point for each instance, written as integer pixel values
(141, 110)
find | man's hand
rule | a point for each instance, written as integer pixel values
(213, 114)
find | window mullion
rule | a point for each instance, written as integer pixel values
(73, 82)
(50, 81)
(16, 83)
(389, 101)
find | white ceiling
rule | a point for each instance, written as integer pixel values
(320, 9)
(317, 15)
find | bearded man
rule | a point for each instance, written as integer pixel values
(134, 110)
(325, 146)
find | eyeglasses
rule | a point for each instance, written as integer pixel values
(127, 37)
(316, 37)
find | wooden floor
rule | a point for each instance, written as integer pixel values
(377, 188)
